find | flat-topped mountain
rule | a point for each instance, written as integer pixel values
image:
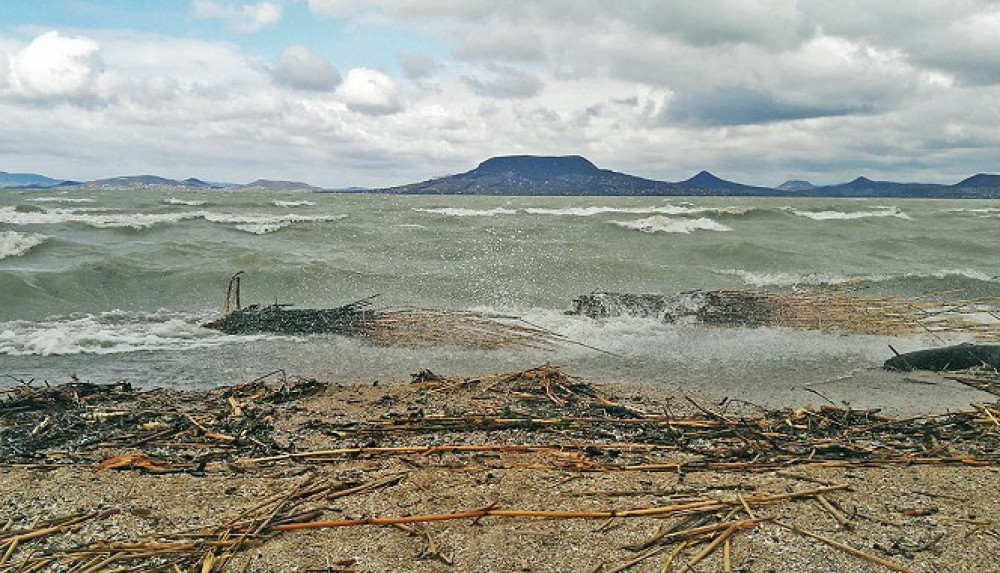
(537, 175)
(550, 175)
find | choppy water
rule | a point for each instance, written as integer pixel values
(113, 285)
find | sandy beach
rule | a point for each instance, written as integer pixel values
(520, 471)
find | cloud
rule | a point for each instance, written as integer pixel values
(417, 66)
(742, 105)
(245, 19)
(370, 92)
(53, 66)
(504, 82)
(300, 68)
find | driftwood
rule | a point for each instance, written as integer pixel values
(957, 357)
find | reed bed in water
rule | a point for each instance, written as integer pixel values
(841, 309)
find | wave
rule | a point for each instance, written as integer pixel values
(256, 224)
(278, 203)
(188, 202)
(662, 224)
(659, 210)
(889, 211)
(460, 212)
(111, 332)
(102, 221)
(264, 224)
(986, 212)
(14, 244)
(61, 200)
(790, 279)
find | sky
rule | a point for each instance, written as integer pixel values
(342, 93)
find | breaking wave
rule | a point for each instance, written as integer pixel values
(14, 244)
(60, 200)
(111, 332)
(662, 224)
(460, 212)
(188, 202)
(279, 203)
(831, 215)
(786, 279)
(264, 224)
(256, 224)
(658, 210)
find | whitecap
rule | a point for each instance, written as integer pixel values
(662, 224)
(112, 332)
(460, 212)
(656, 210)
(102, 220)
(188, 202)
(257, 224)
(264, 224)
(14, 244)
(789, 279)
(786, 279)
(849, 215)
(278, 203)
(61, 200)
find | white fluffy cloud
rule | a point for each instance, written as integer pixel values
(55, 66)
(370, 92)
(245, 18)
(300, 68)
(757, 90)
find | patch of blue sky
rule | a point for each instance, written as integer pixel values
(344, 44)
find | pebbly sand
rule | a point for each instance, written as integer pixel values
(298, 475)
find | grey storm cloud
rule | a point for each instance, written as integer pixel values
(417, 66)
(300, 68)
(740, 105)
(504, 83)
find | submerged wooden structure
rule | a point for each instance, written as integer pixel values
(406, 327)
(831, 309)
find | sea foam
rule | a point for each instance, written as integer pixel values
(111, 332)
(460, 212)
(662, 224)
(830, 215)
(279, 203)
(655, 210)
(14, 244)
(188, 202)
(256, 224)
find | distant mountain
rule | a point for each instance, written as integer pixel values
(535, 175)
(279, 186)
(27, 180)
(136, 182)
(795, 185)
(864, 187)
(706, 183)
(980, 181)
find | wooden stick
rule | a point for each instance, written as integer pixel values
(847, 548)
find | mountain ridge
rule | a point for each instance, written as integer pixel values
(536, 175)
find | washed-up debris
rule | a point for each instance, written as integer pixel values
(950, 358)
(452, 425)
(832, 309)
(159, 430)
